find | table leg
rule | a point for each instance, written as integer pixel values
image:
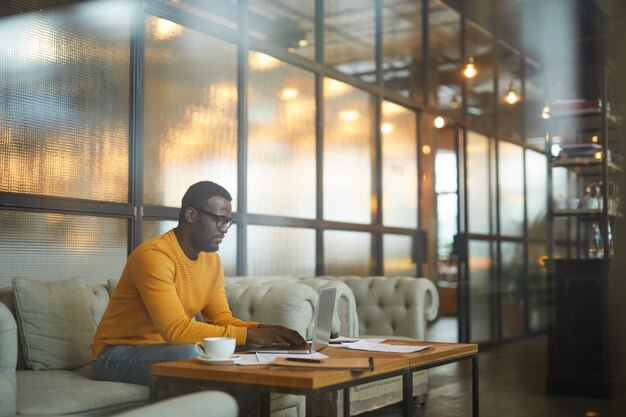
(311, 404)
(346, 402)
(154, 389)
(475, 386)
(265, 404)
(407, 394)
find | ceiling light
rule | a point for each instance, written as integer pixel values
(470, 70)
(439, 122)
(426, 149)
(349, 115)
(511, 96)
(302, 43)
(545, 113)
(289, 93)
(454, 103)
(386, 128)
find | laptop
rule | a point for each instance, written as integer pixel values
(321, 330)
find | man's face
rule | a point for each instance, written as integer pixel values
(207, 235)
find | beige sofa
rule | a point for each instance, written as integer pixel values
(375, 306)
(54, 378)
(47, 371)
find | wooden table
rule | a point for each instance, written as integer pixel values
(312, 382)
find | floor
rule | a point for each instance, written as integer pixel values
(512, 384)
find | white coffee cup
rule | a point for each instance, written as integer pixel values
(216, 347)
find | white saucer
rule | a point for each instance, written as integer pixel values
(227, 361)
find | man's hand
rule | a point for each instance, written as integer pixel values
(270, 334)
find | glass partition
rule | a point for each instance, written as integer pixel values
(190, 113)
(55, 246)
(512, 289)
(481, 290)
(511, 173)
(481, 88)
(536, 196)
(399, 159)
(281, 138)
(445, 59)
(509, 92)
(398, 256)
(478, 183)
(280, 251)
(535, 105)
(403, 48)
(348, 138)
(65, 102)
(350, 37)
(287, 24)
(221, 12)
(347, 253)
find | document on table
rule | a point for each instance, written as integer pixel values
(383, 347)
(268, 358)
(343, 341)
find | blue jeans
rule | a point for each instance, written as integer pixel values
(126, 363)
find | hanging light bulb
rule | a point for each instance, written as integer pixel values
(545, 113)
(470, 70)
(454, 103)
(439, 122)
(511, 95)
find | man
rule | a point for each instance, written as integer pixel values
(165, 283)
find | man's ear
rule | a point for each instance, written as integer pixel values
(190, 215)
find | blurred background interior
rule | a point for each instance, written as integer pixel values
(443, 139)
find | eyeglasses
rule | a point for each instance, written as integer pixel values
(220, 221)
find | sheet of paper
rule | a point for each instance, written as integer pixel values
(267, 358)
(343, 341)
(383, 347)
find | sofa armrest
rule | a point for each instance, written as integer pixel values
(199, 404)
(393, 306)
(290, 304)
(8, 362)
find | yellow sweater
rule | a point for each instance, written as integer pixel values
(159, 293)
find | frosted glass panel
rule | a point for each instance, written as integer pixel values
(281, 138)
(397, 251)
(511, 173)
(281, 251)
(52, 246)
(537, 194)
(402, 47)
(64, 83)
(509, 92)
(227, 251)
(347, 253)
(349, 37)
(445, 57)
(480, 291)
(348, 136)
(511, 289)
(537, 287)
(222, 12)
(287, 24)
(478, 182)
(481, 94)
(399, 146)
(190, 128)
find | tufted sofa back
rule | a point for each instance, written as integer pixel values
(398, 306)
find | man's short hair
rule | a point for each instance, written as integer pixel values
(199, 193)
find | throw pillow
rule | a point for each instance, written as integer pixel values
(55, 323)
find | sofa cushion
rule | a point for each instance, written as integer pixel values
(67, 392)
(55, 322)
